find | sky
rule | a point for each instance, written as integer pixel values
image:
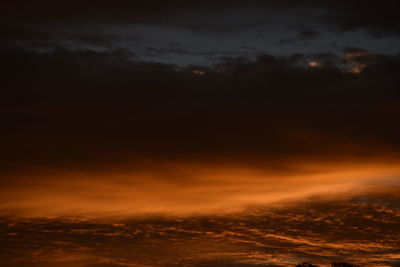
(163, 114)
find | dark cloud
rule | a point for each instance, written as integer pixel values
(306, 34)
(83, 107)
(378, 16)
(353, 50)
(220, 29)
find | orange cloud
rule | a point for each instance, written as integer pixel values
(181, 188)
(314, 64)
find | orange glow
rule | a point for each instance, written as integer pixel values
(313, 64)
(356, 66)
(182, 188)
(198, 72)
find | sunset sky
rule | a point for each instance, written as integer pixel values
(199, 133)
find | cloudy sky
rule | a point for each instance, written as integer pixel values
(124, 109)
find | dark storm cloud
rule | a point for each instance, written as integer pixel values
(179, 50)
(378, 16)
(275, 27)
(73, 108)
(306, 34)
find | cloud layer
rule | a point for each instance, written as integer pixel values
(168, 97)
(358, 227)
(206, 136)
